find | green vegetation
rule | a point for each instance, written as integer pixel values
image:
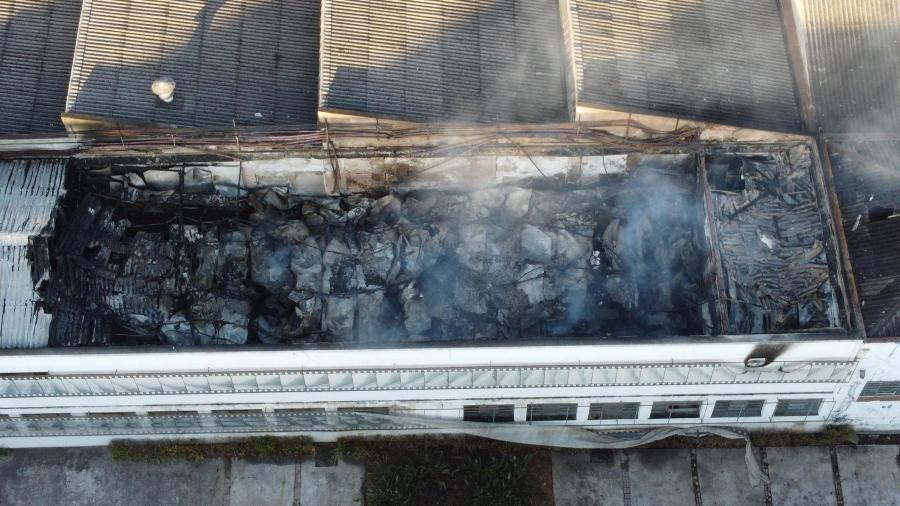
(830, 435)
(263, 447)
(5, 451)
(451, 470)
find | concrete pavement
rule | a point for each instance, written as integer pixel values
(88, 477)
(865, 475)
(799, 476)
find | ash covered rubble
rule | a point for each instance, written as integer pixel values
(621, 258)
(772, 241)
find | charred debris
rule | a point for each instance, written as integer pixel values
(773, 249)
(172, 255)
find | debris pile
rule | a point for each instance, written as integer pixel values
(772, 243)
(625, 257)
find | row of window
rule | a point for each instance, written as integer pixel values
(297, 411)
(876, 389)
(629, 410)
(499, 413)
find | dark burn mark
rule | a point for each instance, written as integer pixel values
(767, 351)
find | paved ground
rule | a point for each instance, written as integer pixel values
(87, 476)
(866, 475)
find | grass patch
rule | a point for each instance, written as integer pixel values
(829, 436)
(161, 452)
(451, 470)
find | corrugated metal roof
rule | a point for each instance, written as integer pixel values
(867, 182)
(486, 60)
(22, 323)
(852, 50)
(29, 192)
(714, 60)
(251, 61)
(37, 38)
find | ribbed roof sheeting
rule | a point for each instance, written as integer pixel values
(467, 60)
(37, 38)
(853, 55)
(716, 60)
(29, 192)
(251, 61)
(867, 183)
(22, 323)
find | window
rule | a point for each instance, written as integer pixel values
(300, 411)
(614, 411)
(360, 409)
(491, 413)
(737, 409)
(551, 412)
(46, 415)
(798, 407)
(107, 414)
(685, 409)
(881, 389)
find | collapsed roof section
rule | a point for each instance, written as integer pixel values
(443, 60)
(244, 62)
(37, 39)
(486, 246)
(722, 61)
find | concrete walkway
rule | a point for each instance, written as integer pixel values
(87, 476)
(866, 475)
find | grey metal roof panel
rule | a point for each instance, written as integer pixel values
(29, 192)
(252, 61)
(852, 50)
(714, 60)
(37, 38)
(867, 183)
(486, 60)
(22, 323)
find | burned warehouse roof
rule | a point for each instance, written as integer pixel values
(555, 247)
(368, 173)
